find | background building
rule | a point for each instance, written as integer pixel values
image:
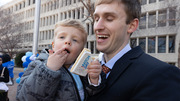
(159, 30)
(158, 33)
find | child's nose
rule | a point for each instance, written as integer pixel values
(68, 43)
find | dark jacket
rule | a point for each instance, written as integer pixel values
(139, 77)
(5, 77)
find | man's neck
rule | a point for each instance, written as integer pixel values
(108, 57)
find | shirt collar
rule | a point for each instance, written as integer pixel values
(112, 61)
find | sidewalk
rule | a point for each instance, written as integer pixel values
(13, 89)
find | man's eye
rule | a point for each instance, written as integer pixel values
(96, 19)
(109, 19)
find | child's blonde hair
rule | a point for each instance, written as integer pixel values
(72, 23)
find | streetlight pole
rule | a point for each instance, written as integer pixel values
(36, 26)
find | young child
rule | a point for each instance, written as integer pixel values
(48, 77)
(4, 78)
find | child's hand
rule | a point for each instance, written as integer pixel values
(94, 70)
(56, 59)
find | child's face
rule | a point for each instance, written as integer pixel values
(71, 39)
(0, 61)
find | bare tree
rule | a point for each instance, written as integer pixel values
(89, 5)
(10, 32)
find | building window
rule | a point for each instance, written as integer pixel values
(143, 2)
(29, 2)
(152, 20)
(152, 1)
(74, 15)
(97, 52)
(142, 43)
(172, 16)
(82, 12)
(92, 46)
(142, 24)
(133, 42)
(87, 28)
(171, 44)
(162, 18)
(78, 13)
(69, 12)
(151, 45)
(87, 44)
(92, 29)
(171, 63)
(52, 33)
(162, 44)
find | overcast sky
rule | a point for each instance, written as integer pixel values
(2, 2)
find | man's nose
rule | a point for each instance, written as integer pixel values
(99, 25)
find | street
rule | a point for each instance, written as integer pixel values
(13, 89)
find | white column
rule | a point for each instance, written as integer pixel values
(137, 43)
(146, 46)
(147, 19)
(167, 43)
(80, 16)
(90, 28)
(157, 13)
(36, 26)
(156, 45)
(72, 14)
(76, 13)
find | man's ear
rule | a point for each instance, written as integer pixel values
(133, 26)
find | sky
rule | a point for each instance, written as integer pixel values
(2, 2)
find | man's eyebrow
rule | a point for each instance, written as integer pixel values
(105, 14)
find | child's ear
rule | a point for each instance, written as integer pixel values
(133, 26)
(52, 45)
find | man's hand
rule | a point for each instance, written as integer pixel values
(56, 59)
(94, 70)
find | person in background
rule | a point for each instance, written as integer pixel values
(48, 78)
(4, 78)
(131, 74)
(10, 65)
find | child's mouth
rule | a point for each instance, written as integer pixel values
(67, 50)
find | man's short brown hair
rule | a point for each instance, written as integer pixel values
(132, 8)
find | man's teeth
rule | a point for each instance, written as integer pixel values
(102, 36)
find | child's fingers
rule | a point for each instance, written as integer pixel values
(60, 51)
(50, 52)
(96, 59)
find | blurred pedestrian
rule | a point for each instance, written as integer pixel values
(10, 66)
(4, 77)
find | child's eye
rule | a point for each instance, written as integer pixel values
(74, 40)
(61, 37)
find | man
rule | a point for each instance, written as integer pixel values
(134, 75)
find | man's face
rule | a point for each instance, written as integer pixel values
(70, 38)
(110, 28)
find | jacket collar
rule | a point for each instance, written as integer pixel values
(122, 64)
